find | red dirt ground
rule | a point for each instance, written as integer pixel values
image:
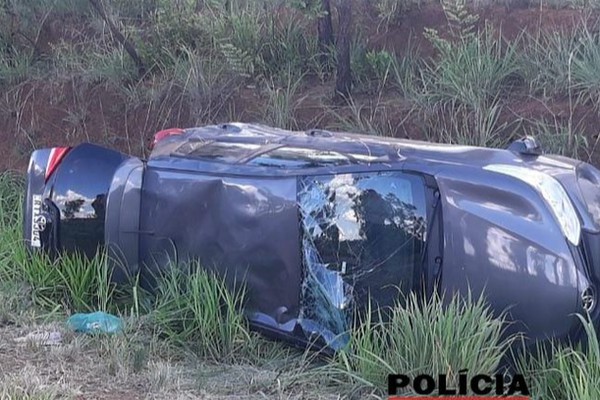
(41, 114)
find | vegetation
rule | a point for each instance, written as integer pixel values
(191, 336)
(420, 337)
(117, 71)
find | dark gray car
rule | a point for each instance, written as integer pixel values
(316, 222)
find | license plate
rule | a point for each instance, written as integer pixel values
(38, 222)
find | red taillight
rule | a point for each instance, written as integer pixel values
(166, 133)
(56, 156)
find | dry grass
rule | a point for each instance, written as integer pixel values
(131, 366)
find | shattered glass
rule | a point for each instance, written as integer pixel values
(296, 157)
(362, 239)
(216, 151)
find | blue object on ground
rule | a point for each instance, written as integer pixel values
(97, 322)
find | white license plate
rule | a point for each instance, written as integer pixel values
(38, 222)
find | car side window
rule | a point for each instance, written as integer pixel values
(362, 238)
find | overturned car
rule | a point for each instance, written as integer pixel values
(317, 223)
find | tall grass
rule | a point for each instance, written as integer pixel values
(585, 67)
(391, 11)
(101, 62)
(259, 41)
(204, 84)
(560, 371)
(422, 337)
(471, 71)
(12, 185)
(546, 60)
(560, 137)
(11, 206)
(370, 117)
(195, 308)
(283, 102)
(72, 282)
(564, 63)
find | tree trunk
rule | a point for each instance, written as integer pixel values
(325, 30)
(127, 45)
(343, 84)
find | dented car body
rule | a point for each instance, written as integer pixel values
(317, 223)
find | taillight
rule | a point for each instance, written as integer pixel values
(166, 133)
(56, 156)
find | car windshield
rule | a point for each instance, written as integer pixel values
(362, 236)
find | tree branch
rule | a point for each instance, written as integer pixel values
(343, 84)
(127, 45)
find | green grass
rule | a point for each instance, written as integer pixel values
(282, 102)
(559, 371)
(424, 336)
(260, 61)
(472, 71)
(202, 63)
(195, 308)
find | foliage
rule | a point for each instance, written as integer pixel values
(197, 309)
(420, 337)
(584, 67)
(557, 137)
(547, 61)
(282, 103)
(391, 11)
(461, 21)
(202, 56)
(204, 84)
(472, 71)
(561, 371)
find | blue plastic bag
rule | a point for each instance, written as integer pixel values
(97, 322)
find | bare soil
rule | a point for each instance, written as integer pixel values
(51, 113)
